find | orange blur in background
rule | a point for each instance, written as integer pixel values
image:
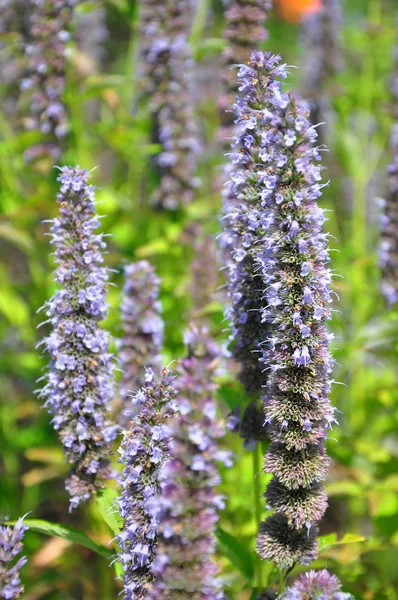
(295, 10)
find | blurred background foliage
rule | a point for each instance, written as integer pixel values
(106, 132)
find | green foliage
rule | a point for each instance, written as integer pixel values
(105, 131)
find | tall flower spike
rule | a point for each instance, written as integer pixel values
(184, 567)
(80, 379)
(322, 55)
(244, 30)
(388, 251)
(10, 546)
(143, 327)
(278, 182)
(143, 452)
(316, 585)
(166, 64)
(44, 83)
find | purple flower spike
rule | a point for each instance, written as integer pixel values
(388, 250)
(142, 328)
(80, 378)
(44, 83)
(277, 181)
(183, 567)
(144, 449)
(10, 546)
(244, 31)
(316, 585)
(166, 65)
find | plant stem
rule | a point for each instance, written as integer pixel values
(257, 458)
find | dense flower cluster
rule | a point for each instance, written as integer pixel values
(183, 567)
(10, 546)
(322, 54)
(316, 585)
(204, 275)
(244, 31)
(166, 64)
(143, 327)
(80, 383)
(44, 83)
(389, 220)
(144, 449)
(278, 182)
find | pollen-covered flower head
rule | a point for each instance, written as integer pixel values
(316, 585)
(80, 384)
(10, 546)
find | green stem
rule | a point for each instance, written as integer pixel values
(198, 26)
(257, 459)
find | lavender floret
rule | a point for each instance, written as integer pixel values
(184, 567)
(388, 249)
(277, 180)
(143, 327)
(166, 64)
(80, 378)
(44, 84)
(316, 585)
(144, 450)
(10, 546)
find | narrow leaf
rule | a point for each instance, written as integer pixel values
(230, 547)
(66, 533)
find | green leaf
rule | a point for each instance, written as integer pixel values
(230, 547)
(66, 533)
(329, 541)
(106, 505)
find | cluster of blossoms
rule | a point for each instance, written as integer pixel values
(389, 220)
(183, 566)
(44, 83)
(322, 51)
(144, 450)
(316, 585)
(10, 546)
(80, 378)
(166, 63)
(143, 327)
(204, 275)
(278, 182)
(244, 31)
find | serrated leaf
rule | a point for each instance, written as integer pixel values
(230, 547)
(66, 533)
(330, 541)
